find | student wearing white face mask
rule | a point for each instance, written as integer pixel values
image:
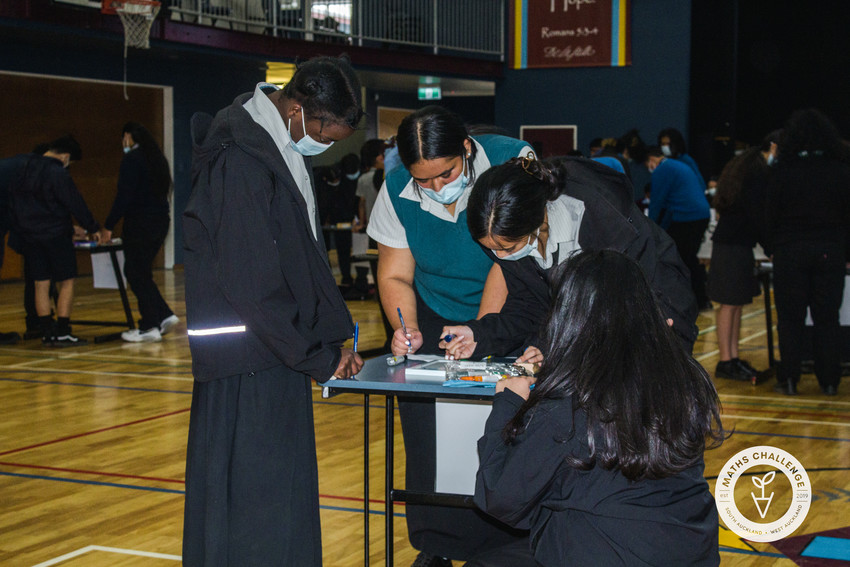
(531, 216)
(431, 269)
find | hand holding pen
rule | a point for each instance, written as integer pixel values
(350, 362)
(406, 340)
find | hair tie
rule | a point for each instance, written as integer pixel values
(531, 166)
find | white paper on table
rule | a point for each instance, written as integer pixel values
(103, 272)
(460, 424)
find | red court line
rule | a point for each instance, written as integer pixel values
(158, 479)
(97, 473)
(78, 435)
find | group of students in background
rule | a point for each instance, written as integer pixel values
(39, 204)
(346, 192)
(789, 195)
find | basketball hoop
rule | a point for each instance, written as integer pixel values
(137, 17)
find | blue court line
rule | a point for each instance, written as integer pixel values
(748, 552)
(171, 491)
(824, 547)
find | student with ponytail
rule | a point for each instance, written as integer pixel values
(530, 216)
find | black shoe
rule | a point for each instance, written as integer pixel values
(33, 333)
(64, 341)
(427, 560)
(729, 370)
(831, 390)
(787, 388)
(9, 338)
(744, 365)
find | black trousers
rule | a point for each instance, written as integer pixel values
(809, 274)
(252, 488)
(143, 237)
(446, 531)
(342, 242)
(688, 238)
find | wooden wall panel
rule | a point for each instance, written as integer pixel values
(36, 109)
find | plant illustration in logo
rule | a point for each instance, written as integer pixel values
(763, 500)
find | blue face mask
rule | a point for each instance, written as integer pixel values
(530, 247)
(352, 176)
(665, 149)
(306, 146)
(771, 159)
(450, 192)
(127, 150)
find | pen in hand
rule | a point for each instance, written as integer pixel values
(403, 328)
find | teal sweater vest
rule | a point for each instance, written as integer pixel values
(451, 267)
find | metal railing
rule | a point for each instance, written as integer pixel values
(461, 27)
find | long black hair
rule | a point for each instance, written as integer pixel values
(328, 89)
(509, 200)
(650, 406)
(677, 141)
(741, 170)
(810, 133)
(154, 158)
(433, 132)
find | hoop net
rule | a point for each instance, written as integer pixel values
(137, 17)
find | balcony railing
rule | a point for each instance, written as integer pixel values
(462, 27)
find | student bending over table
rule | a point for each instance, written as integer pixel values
(530, 216)
(603, 459)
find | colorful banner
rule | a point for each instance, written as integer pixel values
(570, 33)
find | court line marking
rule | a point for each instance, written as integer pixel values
(93, 432)
(783, 399)
(105, 374)
(82, 385)
(746, 339)
(783, 420)
(90, 548)
(743, 318)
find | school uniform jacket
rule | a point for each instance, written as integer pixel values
(588, 517)
(611, 221)
(259, 288)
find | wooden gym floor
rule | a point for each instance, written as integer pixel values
(92, 445)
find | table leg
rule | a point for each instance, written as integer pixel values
(121, 288)
(388, 488)
(768, 318)
(366, 480)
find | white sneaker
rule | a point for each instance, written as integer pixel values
(152, 335)
(168, 323)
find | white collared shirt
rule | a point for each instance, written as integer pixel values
(384, 225)
(265, 113)
(564, 216)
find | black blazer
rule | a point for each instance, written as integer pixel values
(251, 259)
(611, 221)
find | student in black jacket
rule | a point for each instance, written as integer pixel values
(808, 196)
(603, 459)
(144, 184)
(43, 201)
(530, 215)
(264, 316)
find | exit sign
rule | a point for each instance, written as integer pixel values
(430, 93)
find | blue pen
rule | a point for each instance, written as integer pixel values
(403, 326)
(356, 335)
